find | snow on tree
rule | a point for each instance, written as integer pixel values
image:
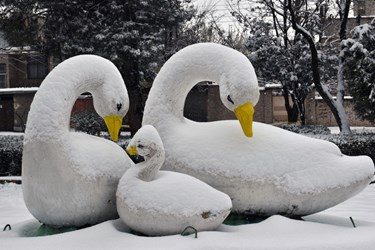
(336, 106)
(358, 54)
(132, 34)
(282, 56)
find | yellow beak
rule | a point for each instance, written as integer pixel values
(244, 114)
(132, 150)
(113, 124)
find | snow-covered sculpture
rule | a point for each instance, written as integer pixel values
(157, 202)
(70, 179)
(275, 171)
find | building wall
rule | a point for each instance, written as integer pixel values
(22, 103)
(203, 104)
(6, 113)
(279, 111)
(364, 7)
(320, 114)
(18, 72)
(334, 27)
(264, 107)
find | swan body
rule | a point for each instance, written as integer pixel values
(68, 178)
(157, 202)
(274, 171)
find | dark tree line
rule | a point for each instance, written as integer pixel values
(137, 36)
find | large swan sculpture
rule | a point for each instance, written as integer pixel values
(159, 203)
(68, 178)
(275, 171)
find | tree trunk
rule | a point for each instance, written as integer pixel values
(130, 74)
(337, 110)
(301, 110)
(292, 111)
(345, 128)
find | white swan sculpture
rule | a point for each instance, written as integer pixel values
(157, 202)
(275, 171)
(70, 179)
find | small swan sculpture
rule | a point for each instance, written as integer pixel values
(68, 178)
(158, 203)
(274, 171)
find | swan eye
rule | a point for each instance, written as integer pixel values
(140, 146)
(119, 105)
(230, 99)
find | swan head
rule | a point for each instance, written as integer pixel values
(111, 102)
(239, 92)
(146, 143)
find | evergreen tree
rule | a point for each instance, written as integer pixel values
(133, 34)
(281, 56)
(358, 54)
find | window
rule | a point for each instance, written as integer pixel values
(3, 75)
(36, 67)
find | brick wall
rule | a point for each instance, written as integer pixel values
(364, 7)
(320, 114)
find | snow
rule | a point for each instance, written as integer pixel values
(330, 229)
(9, 133)
(18, 90)
(275, 171)
(336, 130)
(71, 178)
(157, 202)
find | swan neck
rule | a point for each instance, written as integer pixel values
(150, 167)
(50, 111)
(173, 83)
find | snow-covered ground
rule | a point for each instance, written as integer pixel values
(330, 229)
(336, 130)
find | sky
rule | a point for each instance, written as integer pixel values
(221, 10)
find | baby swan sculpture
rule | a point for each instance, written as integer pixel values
(68, 178)
(274, 171)
(159, 203)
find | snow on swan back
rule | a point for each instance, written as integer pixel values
(273, 172)
(157, 202)
(70, 179)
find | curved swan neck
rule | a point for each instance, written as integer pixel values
(49, 116)
(177, 77)
(148, 169)
(196, 63)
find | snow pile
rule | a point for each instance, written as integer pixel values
(157, 202)
(331, 229)
(275, 171)
(70, 179)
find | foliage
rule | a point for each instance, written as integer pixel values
(306, 129)
(10, 155)
(89, 122)
(358, 54)
(132, 34)
(349, 144)
(356, 144)
(279, 55)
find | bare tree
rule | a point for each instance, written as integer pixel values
(336, 106)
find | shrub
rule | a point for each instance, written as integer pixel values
(11, 147)
(355, 144)
(305, 129)
(89, 122)
(10, 155)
